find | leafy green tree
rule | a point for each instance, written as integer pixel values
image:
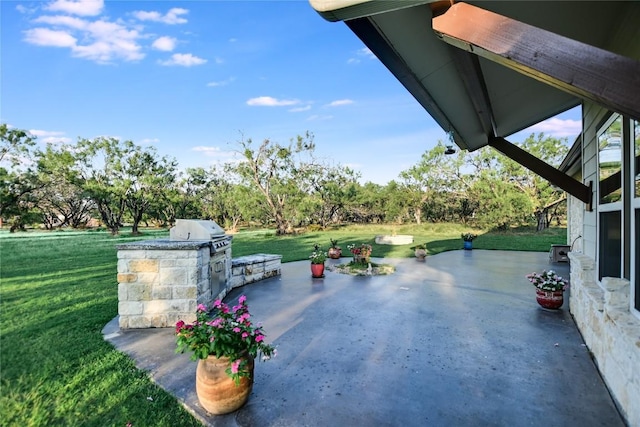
(18, 179)
(280, 174)
(61, 198)
(120, 176)
(147, 177)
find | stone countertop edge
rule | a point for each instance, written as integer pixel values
(164, 244)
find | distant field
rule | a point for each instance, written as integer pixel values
(59, 290)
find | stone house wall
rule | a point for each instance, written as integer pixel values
(610, 331)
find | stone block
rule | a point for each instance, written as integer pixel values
(127, 277)
(139, 322)
(122, 292)
(130, 308)
(158, 321)
(174, 277)
(143, 266)
(132, 254)
(161, 292)
(148, 278)
(123, 266)
(184, 292)
(138, 292)
(123, 322)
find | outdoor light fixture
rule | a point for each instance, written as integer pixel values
(450, 149)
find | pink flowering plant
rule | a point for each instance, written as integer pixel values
(226, 332)
(548, 281)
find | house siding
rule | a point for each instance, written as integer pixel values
(601, 308)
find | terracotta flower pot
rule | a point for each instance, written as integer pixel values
(550, 299)
(317, 270)
(335, 253)
(217, 392)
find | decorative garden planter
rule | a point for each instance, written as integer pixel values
(335, 253)
(317, 270)
(468, 245)
(550, 299)
(217, 392)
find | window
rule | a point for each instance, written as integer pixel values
(610, 219)
(610, 162)
(635, 177)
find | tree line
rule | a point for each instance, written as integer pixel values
(285, 186)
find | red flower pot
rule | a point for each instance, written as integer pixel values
(317, 270)
(550, 299)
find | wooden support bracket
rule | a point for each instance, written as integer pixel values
(554, 176)
(588, 72)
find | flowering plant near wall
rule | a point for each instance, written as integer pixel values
(548, 281)
(227, 332)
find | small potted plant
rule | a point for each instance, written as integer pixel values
(420, 251)
(468, 239)
(361, 254)
(334, 251)
(549, 288)
(317, 257)
(225, 344)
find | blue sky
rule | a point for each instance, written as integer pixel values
(193, 77)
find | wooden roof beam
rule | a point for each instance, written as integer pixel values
(554, 176)
(588, 72)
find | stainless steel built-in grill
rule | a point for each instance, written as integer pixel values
(219, 247)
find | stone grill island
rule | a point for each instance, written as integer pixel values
(162, 281)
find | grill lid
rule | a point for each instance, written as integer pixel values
(195, 229)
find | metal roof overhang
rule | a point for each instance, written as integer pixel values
(483, 98)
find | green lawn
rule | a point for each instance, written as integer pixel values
(58, 290)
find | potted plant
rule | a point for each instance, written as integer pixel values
(334, 251)
(549, 288)
(317, 257)
(225, 344)
(361, 254)
(420, 251)
(468, 239)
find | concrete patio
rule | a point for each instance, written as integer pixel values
(457, 340)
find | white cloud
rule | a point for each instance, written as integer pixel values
(63, 21)
(558, 128)
(42, 133)
(339, 103)
(365, 52)
(165, 43)
(47, 37)
(206, 149)
(77, 7)
(268, 101)
(317, 117)
(57, 140)
(149, 141)
(300, 109)
(50, 136)
(221, 82)
(183, 60)
(101, 41)
(172, 17)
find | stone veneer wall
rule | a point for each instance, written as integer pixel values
(163, 281)
(610, 330)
